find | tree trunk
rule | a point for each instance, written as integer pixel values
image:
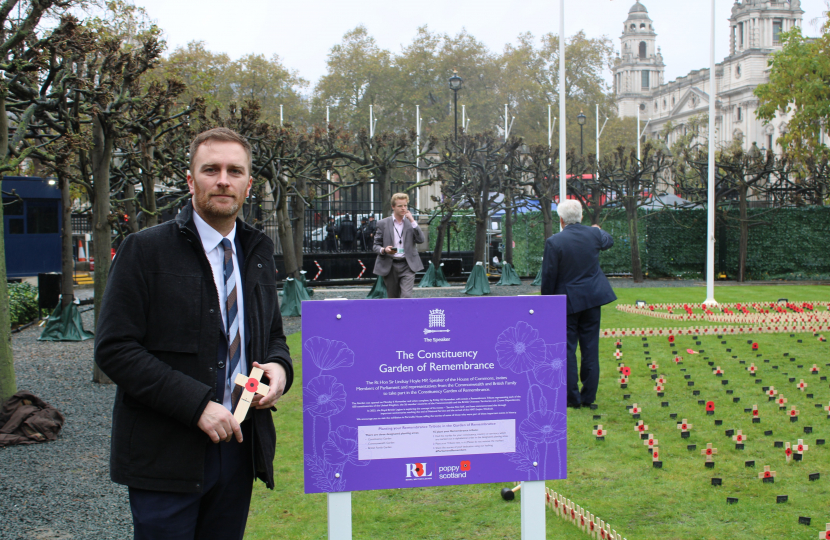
(130, 208)
(593, 213)
(547, 216)
(286, 234)
(67, 261)
(384, 182)
(8, 386)
(744, 224)
(101, 229)
(298, 222)
(439, 238)
(636, 265)
(148, 182)
(507, 229)
(482, 210)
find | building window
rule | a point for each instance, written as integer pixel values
(664, 104)
(741, 35)
(656, 108)
(672, 101)
(645, 84)
(642, 49)
(738, 71)
(771, 142)
(740, 114)
(642, 106)
(776, 31)
(42, 217)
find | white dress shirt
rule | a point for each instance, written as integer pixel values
(400, 227)
(212, 244)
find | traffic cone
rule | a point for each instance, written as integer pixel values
(81, 253)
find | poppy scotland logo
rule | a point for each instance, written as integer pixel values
(417, 470)
(465, 465)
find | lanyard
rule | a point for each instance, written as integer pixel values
(400, 234)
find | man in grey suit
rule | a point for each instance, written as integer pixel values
(395, 239)
(570, 266)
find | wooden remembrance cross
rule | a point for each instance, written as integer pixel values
(251, 385)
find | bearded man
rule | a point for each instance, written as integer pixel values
(189, 305)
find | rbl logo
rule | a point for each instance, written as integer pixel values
(416, 469)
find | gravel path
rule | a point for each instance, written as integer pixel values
(61, 490)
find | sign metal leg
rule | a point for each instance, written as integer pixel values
(533, 510)
(340, 515)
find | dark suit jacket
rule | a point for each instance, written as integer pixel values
(385, 235)
(571, 267)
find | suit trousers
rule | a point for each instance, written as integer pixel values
(400, 280)
(219, 512)
(583, 329)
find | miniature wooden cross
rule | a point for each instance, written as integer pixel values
(624, 370)
(640, 427)
(618, 344)
(623, 379)
(653, 366)
(252, 386)
(655, 454)
(659, 388)
(802, 385)
(772, 391)
(678, 359)
(782, 401)
(709, 452)
(752, 369)
(651, 442)
(717, 371)
(788, 452)
(793, 412)
(684, 426)
(661, 379)
(814, 369)
(800, 448)
(766, 473)
(635, 409)
(827, 408)
(618, 354)
(739, 437)
(826, 534)
(755, 411)
(599, 432)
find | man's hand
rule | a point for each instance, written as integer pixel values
(390, 250)
(408, 216)
(219, 423)
(276, 384)
(597, 226)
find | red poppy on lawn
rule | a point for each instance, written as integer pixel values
(710, 405)
(626, 371)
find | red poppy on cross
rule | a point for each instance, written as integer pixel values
(251, 385)
(802, 385)
(710, 405)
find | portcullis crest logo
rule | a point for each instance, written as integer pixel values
(417, 470)
(437, 322)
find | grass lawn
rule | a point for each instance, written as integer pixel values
(614, 478)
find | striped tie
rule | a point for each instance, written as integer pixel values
(232, 320)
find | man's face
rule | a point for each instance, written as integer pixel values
(220, 180)
(400, 208)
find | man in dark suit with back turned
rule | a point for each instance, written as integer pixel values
(571, 267)
(189, 305)
(395, 239)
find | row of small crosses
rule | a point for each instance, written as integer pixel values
(772, 393)
(586, 521)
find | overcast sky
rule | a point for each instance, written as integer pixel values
(303, 32)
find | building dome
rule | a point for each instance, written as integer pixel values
(638, 8)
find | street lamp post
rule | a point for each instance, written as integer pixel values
(580, 119)
(455, 86)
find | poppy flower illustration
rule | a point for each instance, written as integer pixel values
(519, 348)
(341, 447)
(328, 354)
(551, 370)
(465, 465)
(543, 426)
(324, 396)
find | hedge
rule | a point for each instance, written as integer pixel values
(790, 243)
(22, 303)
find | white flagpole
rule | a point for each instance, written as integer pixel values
(710, 229)
(563, 183)
(417, 153)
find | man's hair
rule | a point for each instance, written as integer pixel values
(570, 211)
(397, 196)
(220, 134)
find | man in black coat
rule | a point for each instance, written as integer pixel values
(331, 235)
(189, 305)
(347, 233)
(571, 267)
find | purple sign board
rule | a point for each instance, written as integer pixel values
(433, 392)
